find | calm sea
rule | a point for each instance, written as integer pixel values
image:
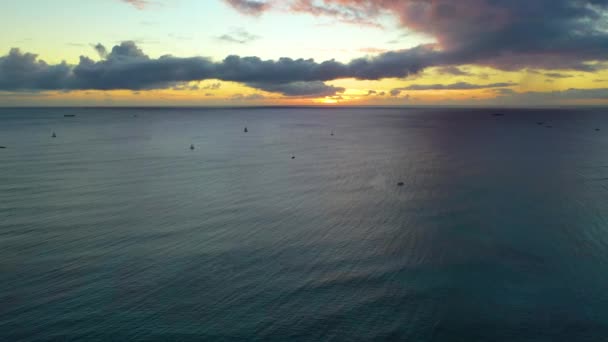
(116, 230)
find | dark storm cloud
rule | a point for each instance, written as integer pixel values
(505, 34)
(23, 71)
(126, 66)
(300, 89)
(101, 50)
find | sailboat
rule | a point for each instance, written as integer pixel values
(54, 135)
(192, 147)
(245, 130)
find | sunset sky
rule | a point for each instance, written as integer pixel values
(304, 52)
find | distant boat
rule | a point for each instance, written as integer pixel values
(68, 115)
(54, 135)
(332, 132)
(498, 114)
(540, 123)
(192, 147)
(400, 184)
(2, 146)
(597, 129)
(293, 157)
(245, 130)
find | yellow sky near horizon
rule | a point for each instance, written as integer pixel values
(356, 91)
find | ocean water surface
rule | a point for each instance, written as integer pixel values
(116, 230)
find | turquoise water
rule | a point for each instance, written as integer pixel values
(116, 230)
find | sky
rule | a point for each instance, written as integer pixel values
(304, 52)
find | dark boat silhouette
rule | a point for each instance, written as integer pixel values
(2, 146)
(597, 129)
(332, 132)
(540, 123)
(400, 184)
(69, 115)
(245, 130)
(192, 147)
(293, 157)
(498, 114)
(54, 135)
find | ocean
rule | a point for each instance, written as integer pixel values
(116, 230)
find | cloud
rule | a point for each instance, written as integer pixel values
(126, 66)
(139, 4)
(186, 86)
(251, 7)
(213, 86)
(251, 97)
(300, 89)
(101, 50)
(457, 86)
(508, 35)
(557, 75)
(23, 71)
(339, 10)
(396, 92)
(452, 70)
(239, 36)
(541, 98)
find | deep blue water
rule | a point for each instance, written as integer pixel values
(115, 230)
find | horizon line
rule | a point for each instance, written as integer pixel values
(583, 106)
